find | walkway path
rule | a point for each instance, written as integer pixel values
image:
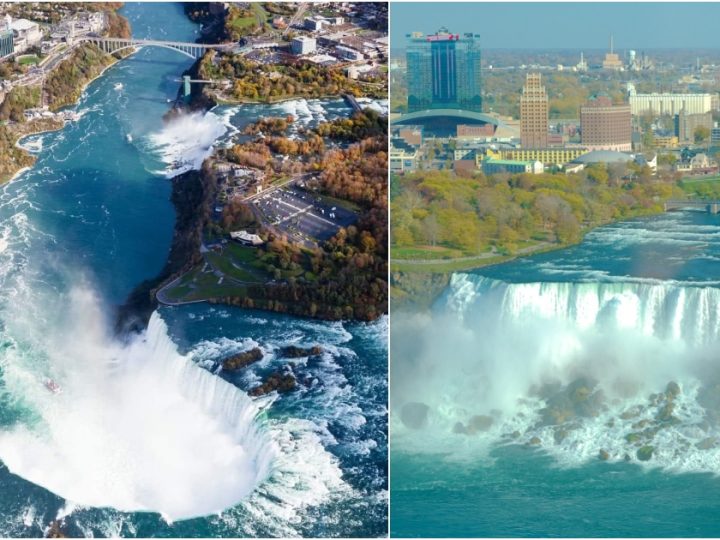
(482, 256)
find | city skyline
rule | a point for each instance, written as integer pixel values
(632, 25)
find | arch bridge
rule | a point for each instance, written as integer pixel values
(192, 50)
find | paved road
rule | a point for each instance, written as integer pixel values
(162, 296)
(488, 255)
(271, 189)
(44, 69)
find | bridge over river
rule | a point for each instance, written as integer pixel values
(712, 207)
(193, 50)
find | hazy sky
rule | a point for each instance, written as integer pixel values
(565, 25)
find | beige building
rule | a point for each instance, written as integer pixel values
(668, 104)
(402, 161)
(534, 113)
(475, 132)
(26, 33)
(666, 141)
(606, 126)
(547, 156)
(612, 60)
(686, 124)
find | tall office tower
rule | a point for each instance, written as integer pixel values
(606, 126)
(686, 124)
(534, 113)
(6, 42)
(443, 71)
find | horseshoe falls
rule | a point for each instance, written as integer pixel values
(147, 437)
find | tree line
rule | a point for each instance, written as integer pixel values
(254, 81)
(503, 212)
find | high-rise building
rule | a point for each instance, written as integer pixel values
(534, 113)
(605, 126)
(443, 71)
(7, 37)
(303, 45)
(686, 124)
(715, 135)
(6, 43)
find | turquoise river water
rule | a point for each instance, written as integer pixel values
(146, 437)
(574, 393)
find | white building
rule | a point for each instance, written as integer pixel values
(265, 44)
(495, 166)
(314, 24)
(348, 53)
(402, 161)
(668, 104)
(582, 64)
(27, 33)
(303, 45)
(85, 23)
(317, 23)
(245, 237)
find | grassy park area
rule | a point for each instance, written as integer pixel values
(701, 188)
(222, 274)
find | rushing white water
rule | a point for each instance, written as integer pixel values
(136, 426)
(140, 425)
(576, 367)
(381, 106)
(185, 141)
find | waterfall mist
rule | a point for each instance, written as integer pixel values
(135, 426)
(559, 362)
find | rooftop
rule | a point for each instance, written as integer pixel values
(22, 24)
(507, 162)
(603, 156)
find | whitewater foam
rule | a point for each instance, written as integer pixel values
(185, 141)
(147, 435)
(573, 368)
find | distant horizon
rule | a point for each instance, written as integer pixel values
(551, 26)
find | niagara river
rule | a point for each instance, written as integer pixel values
(145, 436)
(573, 393)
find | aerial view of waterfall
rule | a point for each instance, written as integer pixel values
(196, 418)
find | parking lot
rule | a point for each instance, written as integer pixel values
(303, 215)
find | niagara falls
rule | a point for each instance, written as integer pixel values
(574, 382)
(107, 433)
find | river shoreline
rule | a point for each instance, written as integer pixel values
(424, 297)
(18, 173)
(65, 122)
(29, 157)
(189, 196)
